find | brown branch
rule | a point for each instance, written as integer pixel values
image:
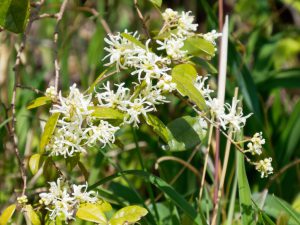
(142, 19)
(282, 171)
(37, 91)
(12, 129)
(45, 15)
(59, 16)
(97, 14)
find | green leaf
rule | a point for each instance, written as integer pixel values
(94, 84)
(132, 39)
(14, 15)
(158, 127)
(71, 162)
(204, 64)
(91, 212)
(160, 184)
(128, 215)
(156, 2)
(106, 113)
(35, 163)
(48, 130)
(276, 207)
(104, 205)
(39, 102)
(198, 46)
(184, 75)
(186, 133)
(32, 216)
(7, 214)
(244, 190)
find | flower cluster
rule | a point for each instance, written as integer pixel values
(77, 128)
(62, 201)
(231, 116)
(152, 70)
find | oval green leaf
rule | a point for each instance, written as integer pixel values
(106, 113)
(198, 46)
(128, 215)
(48, 130)
(91, 212)
(184, 75)
(132, 39)
(7, 214)
(32, 215)
(39, 102)
(35, 163)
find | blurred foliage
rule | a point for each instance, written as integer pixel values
(263, 61)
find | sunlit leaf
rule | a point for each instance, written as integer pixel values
(198, 46)
(48, 130)
(14, 15)
(39, 102)
(106, 113)
(184, 75)
(128, 215)
(32, 215)
(7, 214)
(35, 162)
(132, 39)
(156, 2)
(91, 212)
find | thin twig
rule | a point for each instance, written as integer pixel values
(37, 91)
(45, 15)
(173, 158)
(55, 39)
(140, 15)
(97, 14)
(12, 130)
(180, 172)
(281, 171)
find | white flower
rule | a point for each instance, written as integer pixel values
(170, 16)
(255, 146)
(110, 98)
(173, 47)
(67, 140)
(212, 36)
(153, 95)
(136, 108)
(81, 194)
(120, 49)
(75, 106)
(264, 167)
(63, 201)
(51, 93)
(235, 116)
(200, 85)
(186, 27)
(58, 201)
(217, 109)
(148, 65)
(104, 133)
(165, 84)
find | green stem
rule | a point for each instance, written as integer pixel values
(148, 186)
